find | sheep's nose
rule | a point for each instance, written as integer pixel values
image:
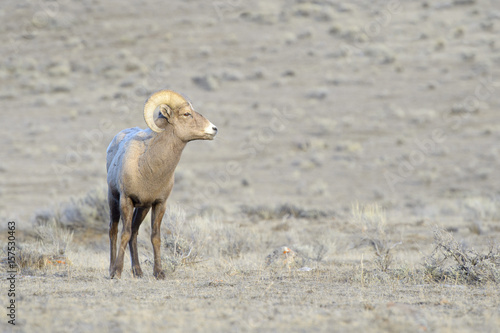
(215, 129)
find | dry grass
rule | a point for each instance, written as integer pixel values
(281, 275)
(191, 240)
(195, 239)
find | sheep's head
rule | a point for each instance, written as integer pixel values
(187, 124)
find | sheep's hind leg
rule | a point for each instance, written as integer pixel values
(114, 217)
(139, 215)
(156, 218)
(126, 212)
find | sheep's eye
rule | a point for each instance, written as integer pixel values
(187, 114)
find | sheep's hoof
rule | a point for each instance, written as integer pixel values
(160, 275)
(115, 275)
(137, 271)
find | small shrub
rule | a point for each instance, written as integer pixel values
(280, 212)
(481, 208)
(478, 210)
(49, 250)
(53, 239)
(372, 220)
(453, 261)
(181, 249)
(319, 251)
(29, 259)
(88, 213)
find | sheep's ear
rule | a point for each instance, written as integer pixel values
(165, 110)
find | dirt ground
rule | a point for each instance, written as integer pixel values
(319, 104)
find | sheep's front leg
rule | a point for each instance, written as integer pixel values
(156, 218)
(126, 212)
(139, 215)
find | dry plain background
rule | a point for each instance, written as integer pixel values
(319, 105)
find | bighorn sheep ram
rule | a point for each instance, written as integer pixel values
(140, 165)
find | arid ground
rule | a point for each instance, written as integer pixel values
(354, 184)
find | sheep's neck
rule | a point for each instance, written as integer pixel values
(164, 152)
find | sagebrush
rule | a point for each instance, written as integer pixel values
(454, 261)
(372, 220)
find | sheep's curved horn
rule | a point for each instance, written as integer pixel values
(169, 97)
